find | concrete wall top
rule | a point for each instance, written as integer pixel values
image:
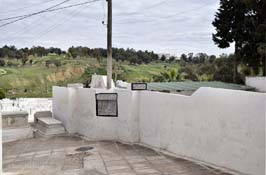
(15, 114)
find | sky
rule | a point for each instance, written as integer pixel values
(162, 26)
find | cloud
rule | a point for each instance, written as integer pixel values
(172, 26)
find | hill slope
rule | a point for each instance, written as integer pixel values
(36, 79)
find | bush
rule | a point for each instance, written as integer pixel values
(2, 63)
(2, 94)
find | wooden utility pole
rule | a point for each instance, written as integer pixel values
(109, 45)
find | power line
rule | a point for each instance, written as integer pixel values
(60, 21)
(26, 28)
(164, 17)
(146, 8)
(49, 10)
(15, 10)
(31, 14)
(37, 23)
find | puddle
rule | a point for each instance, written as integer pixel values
(83, 149)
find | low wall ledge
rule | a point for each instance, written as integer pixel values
(14, 114)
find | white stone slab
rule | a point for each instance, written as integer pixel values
(49, 121)
(13, 134)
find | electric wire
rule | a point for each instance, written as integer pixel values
(61, 21)
(26, 7)
(50, 10)
(140, 11)
(35, 25)
(160, 18)
(31, 14)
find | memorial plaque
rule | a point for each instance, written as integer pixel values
(139, 86)
(106, 105)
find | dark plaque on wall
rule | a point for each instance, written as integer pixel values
(106, 105)
(139, 86)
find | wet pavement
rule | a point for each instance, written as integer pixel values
(72, 155)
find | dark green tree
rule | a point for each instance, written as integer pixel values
(171, 59)
(254, 49)
(2, 94)
(163, 58)
(230, 24)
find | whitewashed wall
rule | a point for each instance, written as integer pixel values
(222, 127)
(76, 108)
(259, 83)
(217, 126)
(1, 152)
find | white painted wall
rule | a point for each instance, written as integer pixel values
(217, 126)
(257, 82)
(1, 152)
(76, 108)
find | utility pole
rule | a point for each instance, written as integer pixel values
(109, 45)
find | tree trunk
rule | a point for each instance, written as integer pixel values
(236, 58)
(264, 65)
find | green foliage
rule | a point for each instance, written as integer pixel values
(2, 94)
(189, 73)
(24, 60)
(89, 72)
(242, 22)
(2, 62)
(163, 58)
(171, 59)
(169, 75)
(3, 72)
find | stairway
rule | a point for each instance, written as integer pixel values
(46, 125)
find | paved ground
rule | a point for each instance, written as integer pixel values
(71, 155)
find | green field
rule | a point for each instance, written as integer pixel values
(37, 79)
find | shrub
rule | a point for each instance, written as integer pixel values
(2, 62)
(2, 94)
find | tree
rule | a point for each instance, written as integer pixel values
(188, 73)
(212, 58)
(72, 51)
(183, 57)
(96, 54)
(254, 49)
(24, 59)
(19, 54)
(230, 25)
(224, 74)
(224, 69)
(171, 59)
(163, 58)
(2, 62)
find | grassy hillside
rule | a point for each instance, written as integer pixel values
(36, 78)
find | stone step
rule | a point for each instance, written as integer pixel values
(49, 122)
(42, 114)
(48, 126)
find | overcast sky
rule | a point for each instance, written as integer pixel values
(164, 26)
